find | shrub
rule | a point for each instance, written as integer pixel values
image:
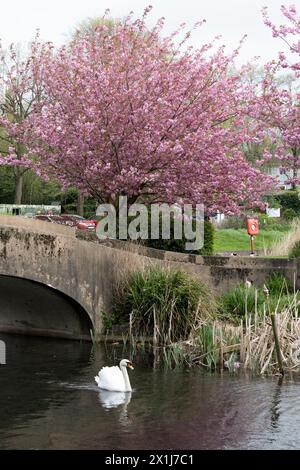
(209, 236)
(273, 223)
(179, 245)
(289, 200)
(272, 201)
(295, 250)
(289, 214)
(165, 304)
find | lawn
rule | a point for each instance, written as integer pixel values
(238, 239)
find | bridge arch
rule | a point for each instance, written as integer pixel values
(52, 256)
(30, 307)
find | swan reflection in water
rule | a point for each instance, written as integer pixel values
(120, 400)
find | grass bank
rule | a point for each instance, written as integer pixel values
(238, 239)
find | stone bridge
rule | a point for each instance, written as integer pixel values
(54, 282)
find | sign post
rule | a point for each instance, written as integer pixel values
(252, 228)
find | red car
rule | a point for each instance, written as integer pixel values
(86, 225)
(72, 220)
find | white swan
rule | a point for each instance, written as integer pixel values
(115, 379)
(114, 399)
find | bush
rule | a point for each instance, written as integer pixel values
(289, 214)
(179, 245)
(289, 200)
(166, 304)
(209, 236)
(295, 251)
(272, 202)
(273, 223)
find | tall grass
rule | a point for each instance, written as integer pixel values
(295, 251)
(284, 246)
(166, 304)
(179, 314)
(249, 345)
(241, 300)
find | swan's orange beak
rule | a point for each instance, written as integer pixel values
(130, 366)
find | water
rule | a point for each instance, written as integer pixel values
(48, 400)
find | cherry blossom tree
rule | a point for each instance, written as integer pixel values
(289, 33)
(277, 107)
(130, 112)
(19, 93)
(279, 112)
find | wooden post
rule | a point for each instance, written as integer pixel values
(252, 244)
(277, 344)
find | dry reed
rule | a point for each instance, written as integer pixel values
(285, 244)
(251, 344)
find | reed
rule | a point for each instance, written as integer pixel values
(251, 344)
(165, 304)
(285, 245)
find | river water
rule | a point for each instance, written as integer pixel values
(48, 400)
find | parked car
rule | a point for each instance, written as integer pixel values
(79, 222)
(71, 220)
(86, 225)
(94, 221)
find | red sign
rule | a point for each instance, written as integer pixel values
(252, 226)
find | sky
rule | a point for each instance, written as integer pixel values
(56, 19)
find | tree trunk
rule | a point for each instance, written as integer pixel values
(80, 204)
(19, 188)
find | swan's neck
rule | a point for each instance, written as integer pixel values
(126, 379)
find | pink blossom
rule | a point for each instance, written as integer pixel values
(125, 112)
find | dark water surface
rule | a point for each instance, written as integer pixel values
(48, 400)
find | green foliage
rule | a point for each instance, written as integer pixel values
(109, 321)
(211, 337)
(289, 200)
(295, 251)
(273, 223)
(209, 237)
(165, 304)
(174, 356)
(278, 303)
(7, 185)
(180, 245)
(69, 197)
(277, 284)
(37, 191)
(90, 208)
(289, 214)
(207, 346)
(233, 222)
(242, 300)
(272, 202)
